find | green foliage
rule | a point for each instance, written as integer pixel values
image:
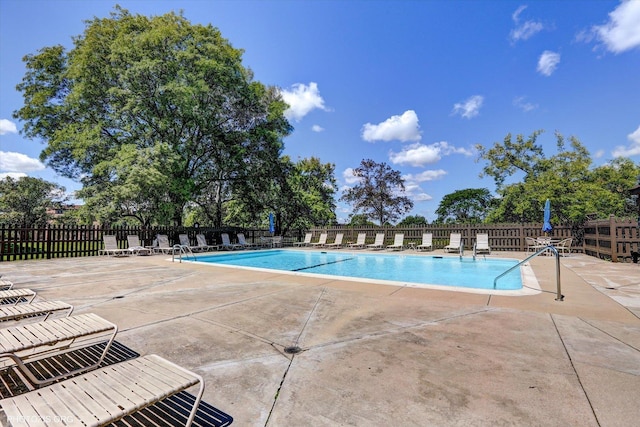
(413, 220)
(567, 179)
(358, 220)
(25, 201)
(471, 205)
(152, 114)
(378, 195)
(300, 195)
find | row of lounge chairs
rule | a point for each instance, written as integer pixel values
(162, 245)
(36, 334)
(398, 242)
(481, 245)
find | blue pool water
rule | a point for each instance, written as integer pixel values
(429, 270)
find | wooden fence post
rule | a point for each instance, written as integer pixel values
(613, 231)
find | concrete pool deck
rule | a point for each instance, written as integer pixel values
(373, 354)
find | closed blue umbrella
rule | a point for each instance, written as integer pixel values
(272, 226)
(546, 227)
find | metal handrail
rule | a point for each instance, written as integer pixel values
(182, 249)
(559, 296)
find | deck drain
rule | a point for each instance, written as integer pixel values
(292, 350)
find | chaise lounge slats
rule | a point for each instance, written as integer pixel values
(41, 308)
(14, 296)
(39, 340)
(105, 395)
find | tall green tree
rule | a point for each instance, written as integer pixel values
(568, 179)
(379, 194)
(151, 114)
(27, 200)
(301, 195)
(471, 205)
(413, 220)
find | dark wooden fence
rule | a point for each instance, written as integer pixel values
(60, 241)
(613, 239)
(502, 237)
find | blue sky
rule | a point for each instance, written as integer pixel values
(415, 84)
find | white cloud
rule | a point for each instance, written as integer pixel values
(349, 177)
(419, 154)
(469, 108)
(428, 175)
(633, 149)
(414, 192)
(317, 128)
(622, 31)
(13, 175)
(523, 30)
(302, 99)
(7, 126)
(18, 162)
(524, 105)
(548, 62)
(401, 128)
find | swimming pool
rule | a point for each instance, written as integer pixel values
(409, 270)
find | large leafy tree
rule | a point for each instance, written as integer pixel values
(413, 220)
(567, 179)
(470, 205)
(379, 194)
(152, 114)
(300, 195)
(26, 201)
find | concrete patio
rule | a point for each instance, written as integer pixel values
(367, 354)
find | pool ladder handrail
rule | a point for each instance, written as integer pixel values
(559, 296)
(461, 250)
(182, 249)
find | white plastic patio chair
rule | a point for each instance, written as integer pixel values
(378, 243)
(427, 242)
(455, 240)
(398, 242)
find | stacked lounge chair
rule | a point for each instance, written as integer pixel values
(90, 395)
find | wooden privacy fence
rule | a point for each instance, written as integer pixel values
(613, 239)
(502, 237)
(61, 241)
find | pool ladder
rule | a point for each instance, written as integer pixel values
(181, 249)
(559, 296)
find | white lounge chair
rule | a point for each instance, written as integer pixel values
(398, 242)
(186, 244)
(482, 244)
(163, 244)
(105, 395)
(34, 341)
(427, 242)
(5, 285)
(321, 241)
(455, 241)
(135, 247)
(35, 311)
(111, 246)
(360, 241)
(306, 241)
(202, 243)
(242, 241)
(337, 243)
(378, 243)
(226, 243)
(15, 296)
